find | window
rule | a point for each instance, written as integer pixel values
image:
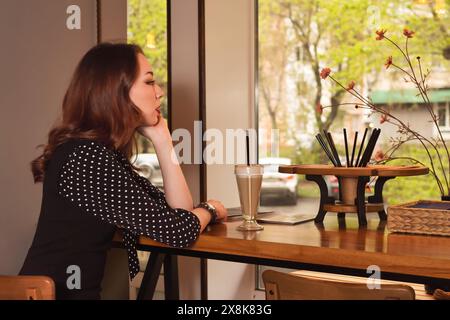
(297, 38)
(443, 116)
(147, 27)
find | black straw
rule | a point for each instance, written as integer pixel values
(325, 148)
(373, 145)
(355, 141)
(333, 147)
(346, 148)
(247, 147)
(366, 150)
(361, 147)
(370, 147)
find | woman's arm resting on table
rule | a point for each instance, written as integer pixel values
(94, 180)
(176, 189)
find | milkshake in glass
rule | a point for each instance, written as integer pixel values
(249, 180)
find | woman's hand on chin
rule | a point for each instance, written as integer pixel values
(157, 133)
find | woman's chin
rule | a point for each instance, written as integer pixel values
(150, 122)
(158, 119)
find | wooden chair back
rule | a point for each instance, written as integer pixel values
(26, 288)
(284, 286)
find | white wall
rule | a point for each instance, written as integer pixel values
(229, 58)
(37, 58)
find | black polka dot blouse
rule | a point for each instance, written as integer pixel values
(100, 191)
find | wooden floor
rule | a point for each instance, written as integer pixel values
(418, 288)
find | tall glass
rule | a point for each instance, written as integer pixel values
(249, 180)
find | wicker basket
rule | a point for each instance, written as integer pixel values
(420, 217)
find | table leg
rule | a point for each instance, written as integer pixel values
(342, 223)
(324, 197)
(361, 200)
(151, 275)
(341, 215)
(204, 279)
(171, 289)
(378, 195)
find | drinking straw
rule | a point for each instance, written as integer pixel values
(325, 148)
(247, 147)
(346, 149)
(333, 147)
(355, 141)
(327, 142)
(361, 147)
(370, 147)
(366, 150)
(374, 144)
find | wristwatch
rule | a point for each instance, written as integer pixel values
(211, 209)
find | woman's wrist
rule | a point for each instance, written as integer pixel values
(162, 143)
(166, 153)
(211, 210)
(203, 216)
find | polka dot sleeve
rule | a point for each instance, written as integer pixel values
(99, 182)
(150, 188)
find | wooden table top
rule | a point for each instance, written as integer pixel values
(331, 244)
(371, 170)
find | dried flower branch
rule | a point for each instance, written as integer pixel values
(404, 128)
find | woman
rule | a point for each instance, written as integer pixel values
(89, 186)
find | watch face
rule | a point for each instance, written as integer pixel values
(212, 211)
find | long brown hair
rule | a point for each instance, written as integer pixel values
(97, 104)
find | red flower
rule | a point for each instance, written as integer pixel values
(383, 118)
(408, 33)
(319, 108)
(388, 62)
(351, 85)
(379, 155)
(380, 34)
(325, 73)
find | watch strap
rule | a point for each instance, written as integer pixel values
(212, 211)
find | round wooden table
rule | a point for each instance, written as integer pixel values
(352, 186)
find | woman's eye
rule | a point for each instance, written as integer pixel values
(150, 83)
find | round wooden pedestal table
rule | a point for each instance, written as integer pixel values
(352, 187)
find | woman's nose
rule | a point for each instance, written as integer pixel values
(159, 92)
